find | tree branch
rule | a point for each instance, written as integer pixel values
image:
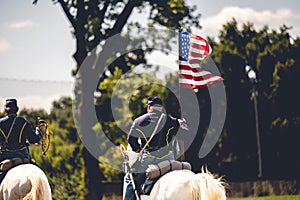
(101, 14)
(122, 18)
(67, 12)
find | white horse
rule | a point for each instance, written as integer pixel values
(27, 182)
(184, 184)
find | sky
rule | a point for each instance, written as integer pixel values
(36, 44)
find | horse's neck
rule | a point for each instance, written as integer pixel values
(145, 197)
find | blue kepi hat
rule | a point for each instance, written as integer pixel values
(11, 104)
(155, 100)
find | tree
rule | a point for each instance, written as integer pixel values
(62, 162)
(65, 158)
(94, 22)
(273, 56)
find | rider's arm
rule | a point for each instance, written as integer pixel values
(31, 135)
(181, 128)
(133, 138)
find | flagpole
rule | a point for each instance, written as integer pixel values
(192, 50)
(181, 142)
(179, 28)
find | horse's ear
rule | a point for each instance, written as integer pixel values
(204, 169)
(123, 149)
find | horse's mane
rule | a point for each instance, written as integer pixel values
(206, 187)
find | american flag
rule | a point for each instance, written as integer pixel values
(192, 50)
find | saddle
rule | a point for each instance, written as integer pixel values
(7, 164)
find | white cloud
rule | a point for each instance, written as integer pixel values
(243, 15)
(161, 59)
(21, 24)
(4, 45)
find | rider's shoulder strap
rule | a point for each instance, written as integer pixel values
(10, 130)
(153, 133)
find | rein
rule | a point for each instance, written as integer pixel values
(45, 133)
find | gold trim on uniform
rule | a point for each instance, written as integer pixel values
(15, 150)
(140, 131)
(159, 158)
(167, 135)
(21, 132)
(3, 134)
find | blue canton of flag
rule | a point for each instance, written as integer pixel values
(184, 46)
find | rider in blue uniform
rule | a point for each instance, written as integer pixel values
(160, 147)
(15, 132)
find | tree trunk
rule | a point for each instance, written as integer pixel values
(93, 176)
(91, 152)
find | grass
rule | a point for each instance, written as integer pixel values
(290, 197)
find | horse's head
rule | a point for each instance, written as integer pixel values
(128, 152)
(130, 157)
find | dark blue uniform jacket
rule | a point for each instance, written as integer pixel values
(143, 127)
(21, 132)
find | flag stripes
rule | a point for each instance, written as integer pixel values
(192, 50)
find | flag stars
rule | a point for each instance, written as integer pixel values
(185, 46)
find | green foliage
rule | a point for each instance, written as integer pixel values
(131, 89)
(273, 55)
(31, 115)
(62, 163)
(263, 189)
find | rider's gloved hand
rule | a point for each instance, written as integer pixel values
(183, 124)
(41, 127)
